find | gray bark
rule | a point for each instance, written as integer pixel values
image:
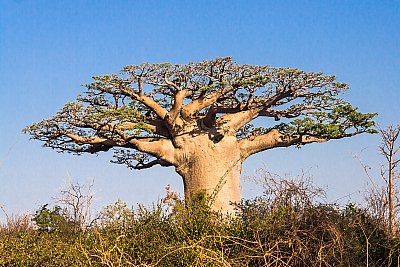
(210, 167)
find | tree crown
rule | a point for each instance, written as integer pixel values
(156, 103)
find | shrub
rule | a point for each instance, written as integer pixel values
(285, 228)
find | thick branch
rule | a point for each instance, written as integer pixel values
(254, 144)
(148, 101)
(272, 139)
(203, 102)
(237, 120)
(234, 121)
(211, 114)
(173, 114)
(159, 148)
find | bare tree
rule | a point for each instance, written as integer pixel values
(198, 118)
(383, 200)
(390, 148)
(298, 192)
(76, 200)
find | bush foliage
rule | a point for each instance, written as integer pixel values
(287, 228)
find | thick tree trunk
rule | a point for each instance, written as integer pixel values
(212, 167)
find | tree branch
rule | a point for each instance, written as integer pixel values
(234, 121)
(142, 166)
(291, 112)
(173, 114)
(148, 101)
(151, 126)
(272, 139)
(202, 102)
(160, 148)
(81, 140)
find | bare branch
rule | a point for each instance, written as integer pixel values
(151, 164)
(388, 149)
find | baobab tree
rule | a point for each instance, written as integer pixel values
(200, 118)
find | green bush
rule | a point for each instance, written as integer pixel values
(264, 232)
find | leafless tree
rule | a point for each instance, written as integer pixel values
(383, 200)
(76, 200)
(289, 191)
(390, 148)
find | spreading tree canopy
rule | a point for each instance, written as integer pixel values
(201, 118)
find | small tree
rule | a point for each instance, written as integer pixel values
(76, 200)
(51, 220)
(198, 118)
(382, 200)
(390, 148)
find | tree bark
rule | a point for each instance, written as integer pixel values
(392, 219)
(211, 167)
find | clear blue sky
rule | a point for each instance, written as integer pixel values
(48, 48)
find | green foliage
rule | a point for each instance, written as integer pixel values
(50, 220)
(332, 125)
(121, 114)
(139, 128)
(168, 101)
(367, 234)
(264, 232)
